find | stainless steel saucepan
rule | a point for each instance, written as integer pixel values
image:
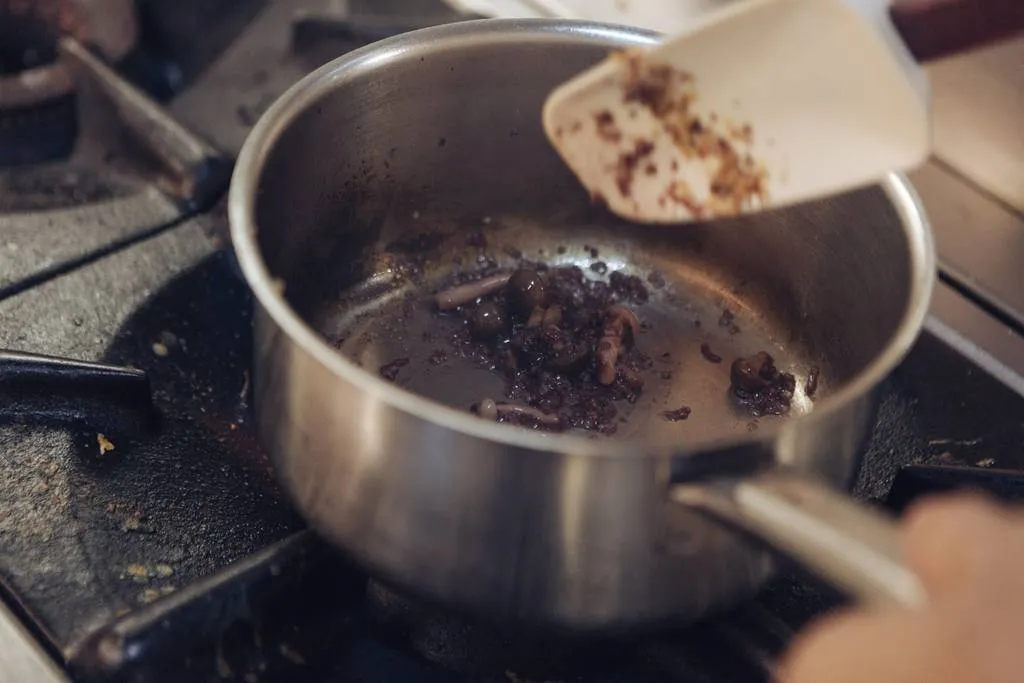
(376, 176)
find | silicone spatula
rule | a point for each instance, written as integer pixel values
(764, 103)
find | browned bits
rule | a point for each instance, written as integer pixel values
(390, 370)
(754, 373)
(668, 94)
(811, 385)
(606, 128)
(677, 415)
(621, 327)
(679, 192)
(549, 359)
(760, 387)
(650, 85)
(709, 355)
(552, 316)
(628, 161)
(728, 321)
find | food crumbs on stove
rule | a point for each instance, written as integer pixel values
(390, 370)
(160, 350)
(986, 462)
(105, 444)
(599, 267)
(289, 653)
(811, 385)
(709, 355)
(137, 573)
(677, 415)
(224, 669)
(164, 571)
(757, 385)
(438, 356)
(153, 594)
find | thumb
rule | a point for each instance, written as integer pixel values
(954, 542)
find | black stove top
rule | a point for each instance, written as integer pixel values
(142, 534)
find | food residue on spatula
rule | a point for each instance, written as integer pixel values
(652, 154)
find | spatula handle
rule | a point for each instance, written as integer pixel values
(933, 29)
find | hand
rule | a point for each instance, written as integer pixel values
(969, 553)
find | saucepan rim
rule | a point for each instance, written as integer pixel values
(335, 74)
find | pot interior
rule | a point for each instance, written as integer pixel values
(406, 161)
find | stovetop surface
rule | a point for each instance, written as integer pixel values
(112, 511)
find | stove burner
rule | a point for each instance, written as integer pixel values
(38, 120)
(471, 646)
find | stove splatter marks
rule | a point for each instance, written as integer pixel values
(105, 444)
(195, 495)
(149, 595)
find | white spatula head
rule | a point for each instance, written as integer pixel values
(761, 104)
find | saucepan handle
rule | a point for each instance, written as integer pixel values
(855, 548)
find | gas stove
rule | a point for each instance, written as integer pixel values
(142, 534)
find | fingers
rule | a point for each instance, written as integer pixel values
(969, 553)
(868, 646)
(955, 542)
(859, 647)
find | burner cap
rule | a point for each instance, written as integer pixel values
(38, 121)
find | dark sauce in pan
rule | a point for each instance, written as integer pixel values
(566, 346)
(760, 387)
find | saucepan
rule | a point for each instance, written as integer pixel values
(419, 163)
